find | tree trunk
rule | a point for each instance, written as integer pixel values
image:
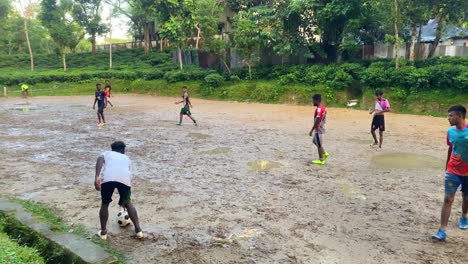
(417, 52)
(161, 45)
(198, 36)
(20, 42)
(93, 44)
(397, 38)
(439, 31)
(413, 44)
(227, 67)
(147, 39)
(64, 60)
(26, 32)
(250, 71)
(179, 51)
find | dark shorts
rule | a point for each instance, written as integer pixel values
(100, 109)
(185, 111)
(107, 189)
(452, 182)
(378, 122)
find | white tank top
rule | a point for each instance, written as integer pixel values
(117, 167)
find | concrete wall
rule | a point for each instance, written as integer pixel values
(383, 50)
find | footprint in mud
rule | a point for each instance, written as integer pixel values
(403, 160)
(199, 135)
(351, 192)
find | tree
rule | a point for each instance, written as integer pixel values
(207, 14)
(28, 13)
(177, 21)
(446, 12)
(88, 15)
(64, 30)
(247, 41)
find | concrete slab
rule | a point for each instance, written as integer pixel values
(80, 247)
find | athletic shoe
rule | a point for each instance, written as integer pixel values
(374, 144)
(140, 235)
(318, 162)
(325, 155)
(103, 237)
(179, 124)
(195, 124)
(463, 224)
(440, 235)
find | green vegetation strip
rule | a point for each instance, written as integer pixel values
(29, 236)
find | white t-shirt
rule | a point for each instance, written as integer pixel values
(117, 167)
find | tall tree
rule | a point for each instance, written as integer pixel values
(247, 41)
(88, 15)
(28, 12)
(64, 30)
(447, 12)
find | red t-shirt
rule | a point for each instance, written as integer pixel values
(320, 115)
(458, 140)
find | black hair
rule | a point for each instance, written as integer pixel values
(184, 87)
(98, 84)
(317, 97)
(118, 146)
(378, 93)
(459, 109)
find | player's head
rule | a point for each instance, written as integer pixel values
(457, 113)
(184, 88)
(107, 81)
(316, 99)
(378, 94)
(118, 146)
(98, 86)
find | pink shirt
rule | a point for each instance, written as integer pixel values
(383, 103)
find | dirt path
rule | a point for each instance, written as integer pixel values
(207, 194)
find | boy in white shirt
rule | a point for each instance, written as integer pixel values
(116, 174)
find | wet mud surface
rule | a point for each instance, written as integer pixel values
(239, 187)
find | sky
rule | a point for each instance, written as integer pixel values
(119, 24)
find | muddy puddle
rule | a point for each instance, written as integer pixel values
(29, 195)
(216, 151)
(351, 192)
(199, 135)
(262, 165)
(403, 160)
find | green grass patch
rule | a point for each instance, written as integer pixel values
(45, 214)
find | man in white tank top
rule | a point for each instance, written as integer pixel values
(114, 171)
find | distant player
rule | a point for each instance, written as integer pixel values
(456, 171)
(317, 131)
(24, 89)
(382, 105)
(186, 107)
(100, 99)
(108, 91)
(116, 169)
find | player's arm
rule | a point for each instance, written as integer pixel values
(190, 103)
(316, 124)
(97, 179)
(95, 101)
(449, 154)
(185, 97)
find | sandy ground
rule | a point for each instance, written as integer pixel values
(238, 188)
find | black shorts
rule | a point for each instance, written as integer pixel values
(378, 122)
(107, 189)
(100, 109)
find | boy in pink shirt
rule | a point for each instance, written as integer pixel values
(378, 122)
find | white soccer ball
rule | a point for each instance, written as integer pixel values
(123, 219)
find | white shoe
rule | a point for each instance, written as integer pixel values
(140, 235)
(103, 237)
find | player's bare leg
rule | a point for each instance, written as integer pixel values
(465, 205)
(374, 136)
(103, 217)
(103, 119)
(381, 139)
(194, 121)
(446, 209)
(181, 118)
(321, 152)
(109, 102)
(99, 117)
(132, 213)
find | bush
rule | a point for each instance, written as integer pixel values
(214, 80)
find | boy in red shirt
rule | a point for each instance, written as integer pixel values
(317, 131)
(456, 169)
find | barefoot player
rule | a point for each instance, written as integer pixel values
(115, 167)
(378, 122)
(100, 99)
(317, 131)
(456, 171)
(186, 107)
(108, 91)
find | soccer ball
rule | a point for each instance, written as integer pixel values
(123, 219)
